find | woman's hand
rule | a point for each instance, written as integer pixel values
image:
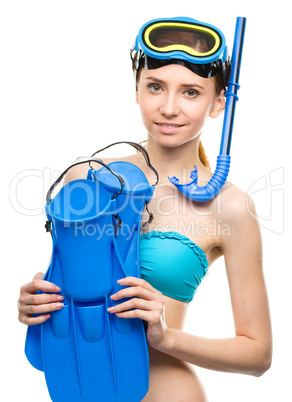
(30, 303)
(145, 303)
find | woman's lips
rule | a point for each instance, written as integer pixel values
(168, 127)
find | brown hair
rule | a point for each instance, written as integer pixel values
(197, 42)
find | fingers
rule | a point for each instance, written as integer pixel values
(133, 281)
(42, 298)
(27, 311)
(34, 320)
(138, 308)
(130, 304)
(30, 309)
(145, 301)
(39, 275)
(138, 291)
(31, 303)
(39, 284)
(137, 287)
(149, 316)
(26, 298)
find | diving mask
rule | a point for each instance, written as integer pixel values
(198, 46)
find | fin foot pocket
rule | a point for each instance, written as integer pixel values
(92, 321)
(123, 325)
(61, 322)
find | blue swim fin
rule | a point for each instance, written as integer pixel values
(86, 353)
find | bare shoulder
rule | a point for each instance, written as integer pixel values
(238, 214)
(236, 205)
(242, 243)
(80, 171)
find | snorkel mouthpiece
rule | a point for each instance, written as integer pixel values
(213, 187)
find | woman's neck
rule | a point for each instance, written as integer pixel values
(177, 161)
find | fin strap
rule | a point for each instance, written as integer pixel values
(78, 162)
(139, 148)
(151, 215)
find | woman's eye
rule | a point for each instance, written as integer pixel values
(155, 87)
(192, 93)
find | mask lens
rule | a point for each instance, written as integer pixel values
(192, 39)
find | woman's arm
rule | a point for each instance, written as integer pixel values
(250, 351)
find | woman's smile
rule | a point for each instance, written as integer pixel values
(168, 128)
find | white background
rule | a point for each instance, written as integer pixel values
(67, 90)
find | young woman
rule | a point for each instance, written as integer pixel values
(176, 98)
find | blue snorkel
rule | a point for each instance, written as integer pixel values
(213, 187)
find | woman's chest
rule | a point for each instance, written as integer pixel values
(173, 212)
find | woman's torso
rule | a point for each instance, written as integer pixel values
(172, 379)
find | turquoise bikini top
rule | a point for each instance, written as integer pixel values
(172, 264)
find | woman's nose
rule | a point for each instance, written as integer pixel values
(169, 106)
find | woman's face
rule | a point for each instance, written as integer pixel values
(175, 103)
